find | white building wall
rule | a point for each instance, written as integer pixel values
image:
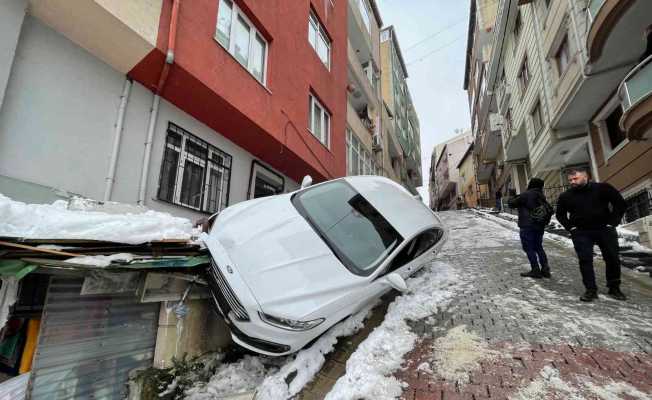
(11, 18)
(57, 125)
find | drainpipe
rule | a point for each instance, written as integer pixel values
(594, 165)
(110, 179)
(169, 60)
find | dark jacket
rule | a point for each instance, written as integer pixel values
(592, 206)
(525, 202)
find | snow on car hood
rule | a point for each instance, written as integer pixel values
(289, 269)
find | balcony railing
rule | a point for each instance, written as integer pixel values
(593, 8)
(637, 85)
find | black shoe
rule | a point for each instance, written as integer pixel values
(545, 272)
(532, 274)
(589, 295)
(615, 293)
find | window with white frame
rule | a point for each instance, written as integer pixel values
(194, 173)
(319, 120)
(319, 40)
(241, 39)
(362, 5)
(359, 161)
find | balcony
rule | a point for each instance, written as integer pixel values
(359, 35)
(616, 33)
(503, 96)
(97, 26)
(636, 95)
(362, 93)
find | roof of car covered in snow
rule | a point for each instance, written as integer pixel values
(407, 214)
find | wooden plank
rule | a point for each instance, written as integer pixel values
(39, 250)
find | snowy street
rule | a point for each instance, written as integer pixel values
(473, 328)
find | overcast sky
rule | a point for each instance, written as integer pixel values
(432, 36)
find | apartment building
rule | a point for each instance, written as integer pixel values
(181, 106)
(364, 136)
(400, 109)
(571, 86)
(445, 189)
(468, 189)
(185, 107)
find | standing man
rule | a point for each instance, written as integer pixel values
(499, 200)
(591, 211)
(531, 230)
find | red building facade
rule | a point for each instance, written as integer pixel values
(268, 118)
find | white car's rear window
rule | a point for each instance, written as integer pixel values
(356, 232)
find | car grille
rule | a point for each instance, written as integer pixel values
(223, 294)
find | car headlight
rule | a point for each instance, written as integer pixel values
(290, 324)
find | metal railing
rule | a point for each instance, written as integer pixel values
(638, 206)
(637, 85)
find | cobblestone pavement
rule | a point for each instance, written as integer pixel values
(518, 338)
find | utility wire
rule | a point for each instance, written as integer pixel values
(423, 57)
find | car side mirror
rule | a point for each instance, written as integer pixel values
(397, 282)
(306, 182)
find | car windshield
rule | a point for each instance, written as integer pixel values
(354, 230)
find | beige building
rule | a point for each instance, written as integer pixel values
(374, 144)
(444, 174)
(400, 109)
(467, 187)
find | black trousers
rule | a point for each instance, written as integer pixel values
(532, 242)
(607, 241)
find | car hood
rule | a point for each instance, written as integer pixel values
(289, 269)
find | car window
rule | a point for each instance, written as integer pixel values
(354, 230)
(417, 246)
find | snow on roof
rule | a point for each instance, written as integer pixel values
(57, 221)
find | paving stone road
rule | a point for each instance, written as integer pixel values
(507, 337)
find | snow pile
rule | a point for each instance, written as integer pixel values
(231, 379)
(369, 370)
(458, 353)
(101, 261)
(285, 377)
(547, 383)
(303, 368)
(57, 221)
(613, 390)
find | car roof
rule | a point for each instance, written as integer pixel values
(408, 215)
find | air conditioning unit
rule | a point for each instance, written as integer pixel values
(376, 142)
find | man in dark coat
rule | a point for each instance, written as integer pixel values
(531, 232)
(591, 212)
(499, 200)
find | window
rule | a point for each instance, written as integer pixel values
(194, 174)
(524, 76)
(319, 121)
(415, 248)
(241, 39)
(359, 236)
(359, 161)
(319, 40)
(616, 135)
(508, 121)
(264, 182)
(639, 205)
(562, 57)
(365, 14)
(537, 119)
(517, 25)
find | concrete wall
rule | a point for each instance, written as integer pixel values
(11, 19)
(57, 122)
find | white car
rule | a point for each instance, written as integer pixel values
(286, 268)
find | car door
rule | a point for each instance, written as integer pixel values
(415, 254)
(406, 262)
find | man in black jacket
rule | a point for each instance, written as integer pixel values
(591, 211)
(531, 232)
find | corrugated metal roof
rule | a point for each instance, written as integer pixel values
(88, 344)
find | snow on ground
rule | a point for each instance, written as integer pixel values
(270, 375)
(57, 221)
(369, 369)
(459, 353)
(550, 385)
